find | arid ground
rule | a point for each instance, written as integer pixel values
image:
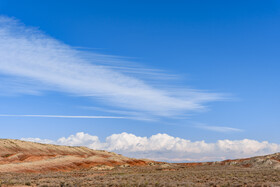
(160, 175)
(32, 164)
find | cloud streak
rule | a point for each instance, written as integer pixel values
(58, 116)
(219, 128)
(28, 54)
(168, 148)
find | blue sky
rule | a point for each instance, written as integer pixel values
(197, 70)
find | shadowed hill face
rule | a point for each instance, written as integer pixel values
(22, 156)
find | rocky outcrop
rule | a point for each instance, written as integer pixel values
(269, 161)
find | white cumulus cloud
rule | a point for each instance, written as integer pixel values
(39, 62)
(164, 147)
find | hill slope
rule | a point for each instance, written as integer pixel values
(268, 161)
(23, 156)
(271, 161)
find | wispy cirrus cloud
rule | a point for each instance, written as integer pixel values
(28, 54)
(168, 148)
(218, 128)
(63, 116)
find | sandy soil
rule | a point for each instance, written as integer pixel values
(157, 175)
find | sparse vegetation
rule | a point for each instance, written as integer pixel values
(175, 175)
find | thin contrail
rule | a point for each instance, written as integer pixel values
(58, 116)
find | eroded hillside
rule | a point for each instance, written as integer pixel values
(22, 156)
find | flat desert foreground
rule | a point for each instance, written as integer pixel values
(161, 175)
